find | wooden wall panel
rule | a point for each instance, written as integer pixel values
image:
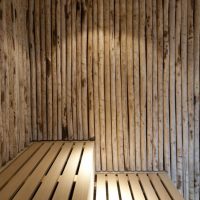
(15, 82)
(125, 73)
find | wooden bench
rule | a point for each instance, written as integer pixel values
(137, 186)
(50, 170)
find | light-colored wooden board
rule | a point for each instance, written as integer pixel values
(147, 187)
(35, 178)
(158, 186)
(113, 193)
(67, 178)
(49, 181)
(15, 183)
(170, 187)
(124, 187)
(101, 187)
(135, 187)
(10, 171)
(85, 173)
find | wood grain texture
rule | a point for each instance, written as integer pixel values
(121, 72)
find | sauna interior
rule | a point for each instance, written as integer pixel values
(99, 99)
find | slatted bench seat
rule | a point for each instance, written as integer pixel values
(137, 186)
(50, 170)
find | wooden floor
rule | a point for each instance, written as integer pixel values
(50, 170)
(137, 186)
(65, 170)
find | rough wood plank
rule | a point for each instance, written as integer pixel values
(184, 96)
(178, 98)
(143, 88)
(118, 88)
(96, 86)
(101, 83)
(90, 74)
(124, 78)
(113, 88)
(149, 83)
(166, 88)
(69, 70)
(84, 81)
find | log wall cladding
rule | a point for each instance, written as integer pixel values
(15, 79)
(124, 73)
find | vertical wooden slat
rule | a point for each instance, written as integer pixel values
(124, 78)
(113, 88)
(136, 82)
(74, 88)
(172, 89)
(43, 69)
(38, 67)
(63, 68)
(90, 74)
(143, 84)
(155, 87)
(130, 83)
(149, 82)
(118, 89)
(166, 88)
(84, 70)
(33, 70)
(190, 74)
(78, 65)
(96, 87)
(58, 63)
(11, 69)
(54, 71)
(49, 69)
(101, 83)
(160, 82)
(196, 99)
(107, 86)
(69, 71)
(184, 95)
(178, 97)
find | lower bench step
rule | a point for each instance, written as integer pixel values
(137, 186)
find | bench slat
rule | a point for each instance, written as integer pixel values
(124, 187)
(113, 193)
(34, 180)
(135, 187)
(101, 187)
(17, 180)
(10, 171)
(66, 180)
(148, 189)
(81, 190)
(47, 186)
(161, 191)
(170, 187)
